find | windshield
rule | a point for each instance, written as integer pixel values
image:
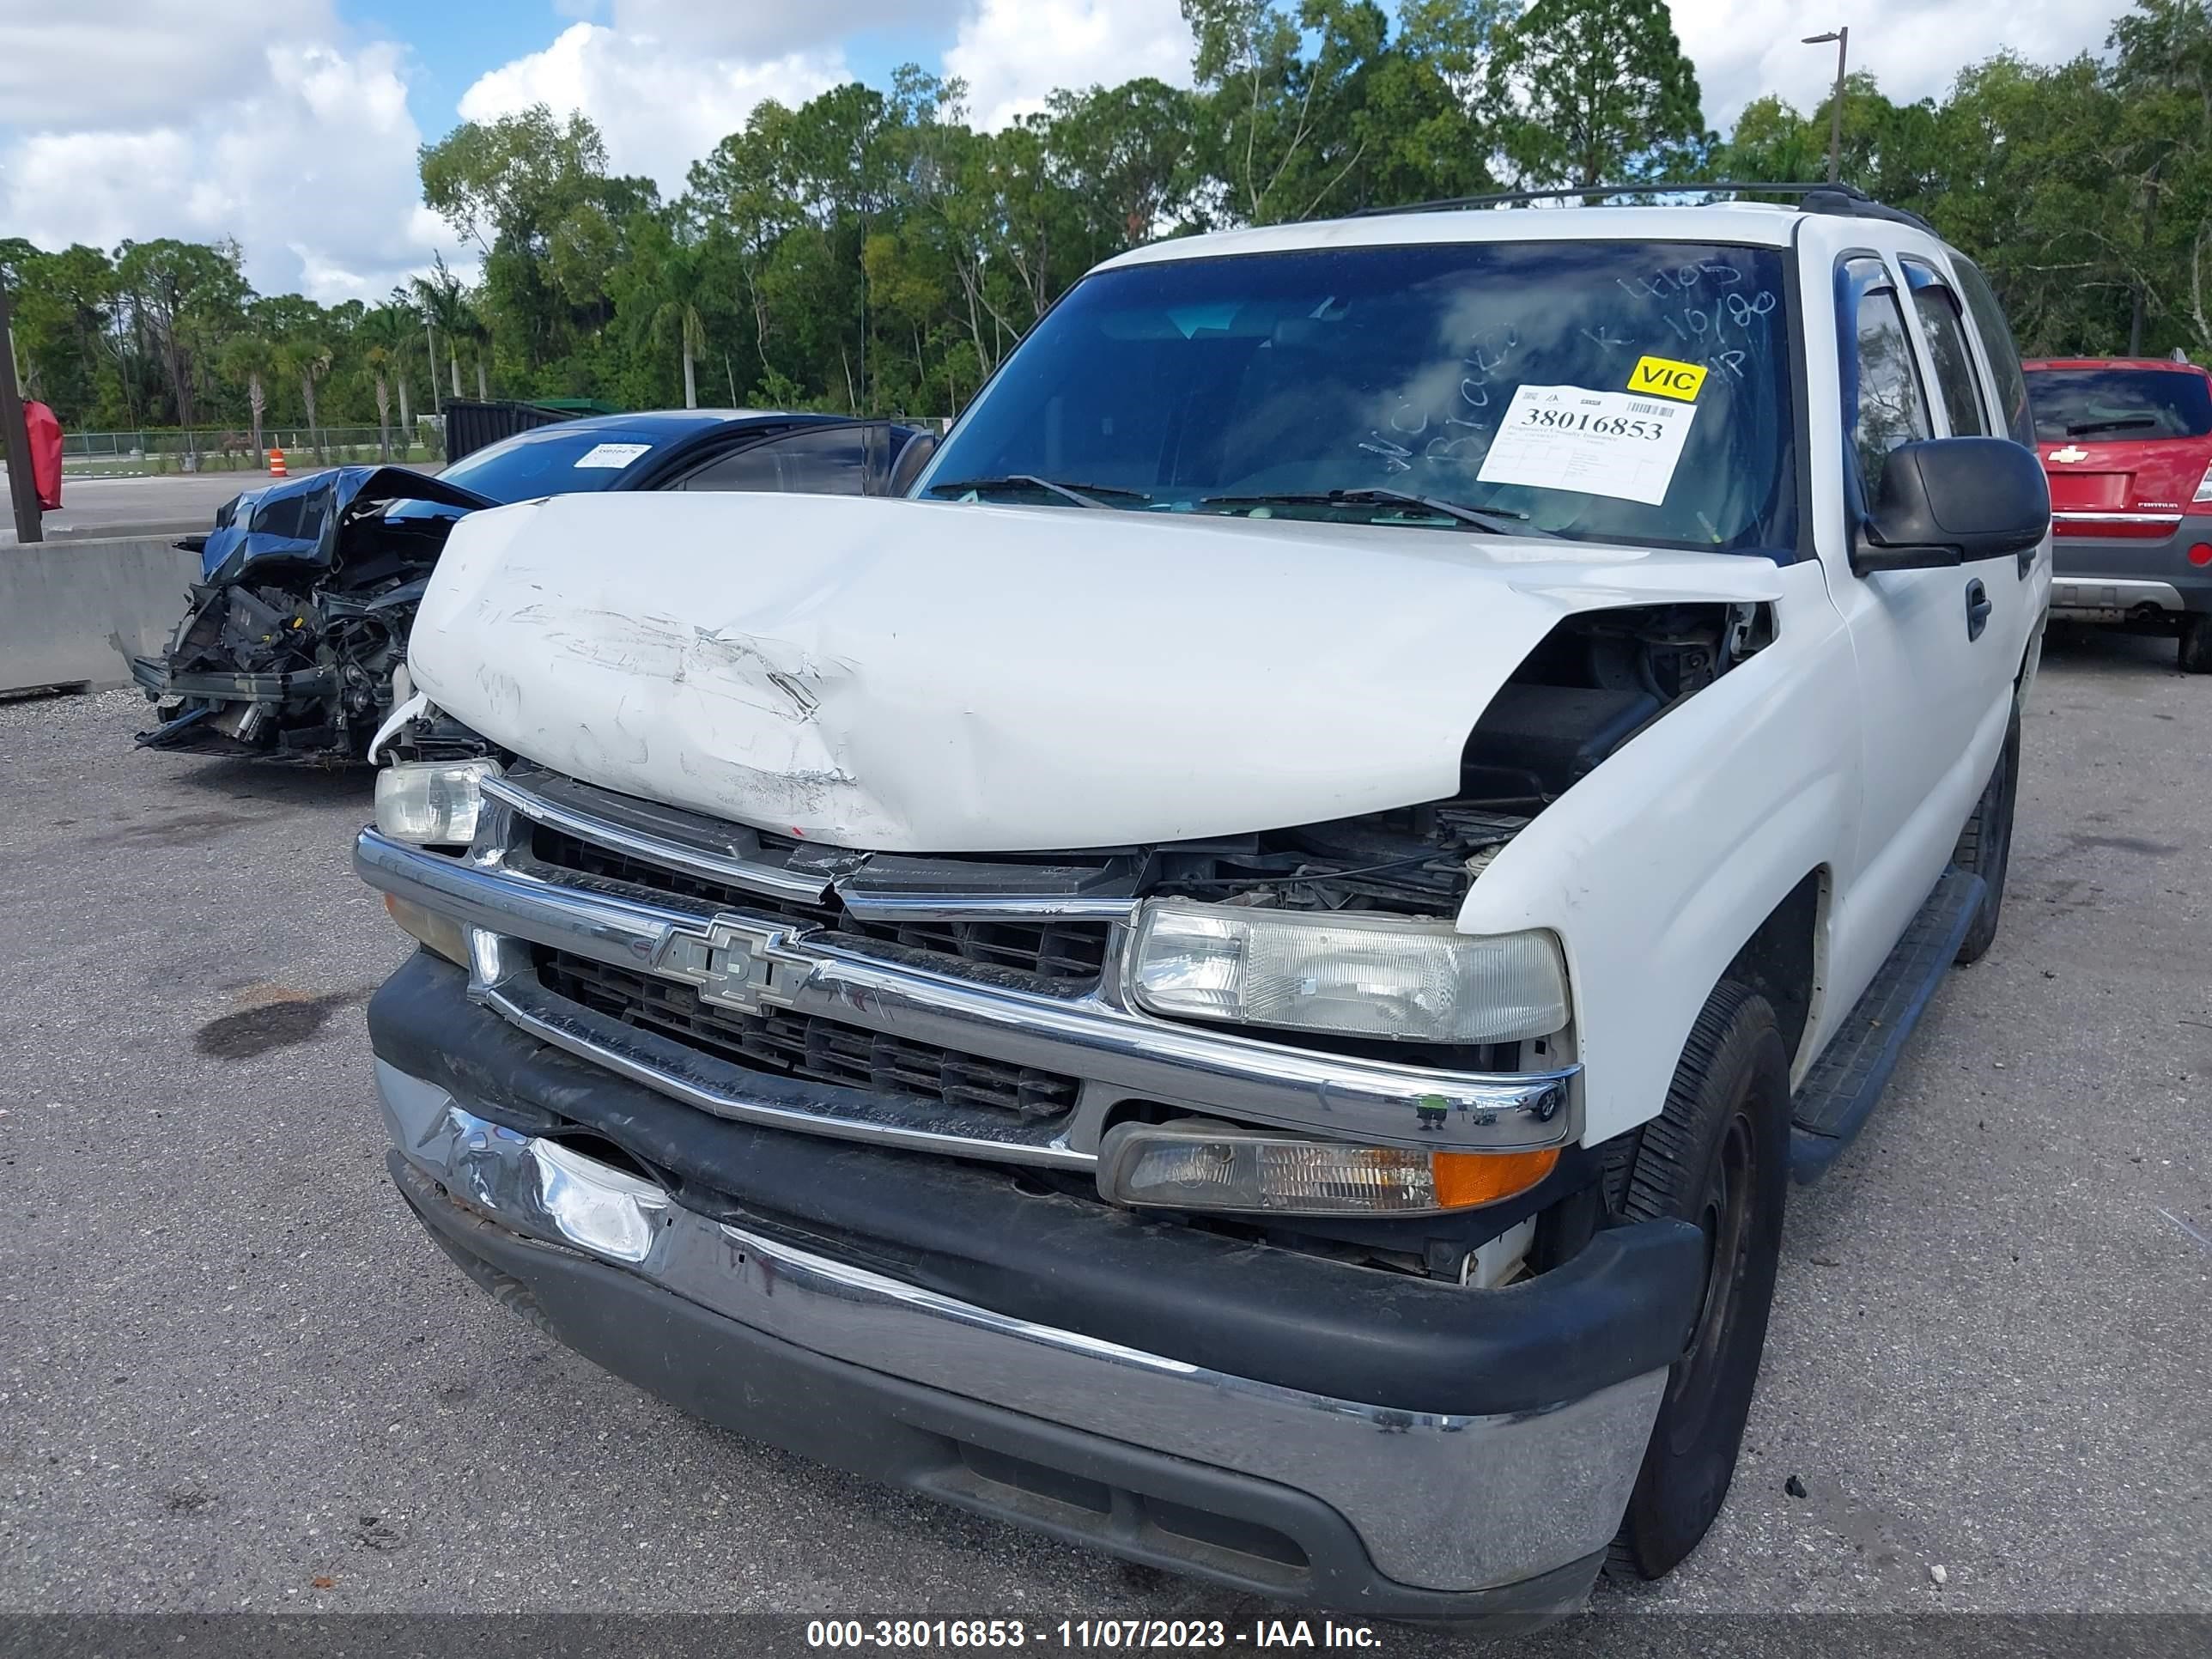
(2119, 404)
(550, 460)
(1607, 390)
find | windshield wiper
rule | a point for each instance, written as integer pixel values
(1494, 520)
(1083, 495)
(2125, 421)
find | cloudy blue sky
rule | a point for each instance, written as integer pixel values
(292, 125)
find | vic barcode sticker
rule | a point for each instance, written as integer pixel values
(1597, 443)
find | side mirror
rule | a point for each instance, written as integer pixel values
(911, 459)
(1954, 501)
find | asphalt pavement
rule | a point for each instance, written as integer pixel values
(236, 1374)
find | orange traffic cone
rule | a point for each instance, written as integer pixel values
(276, 463)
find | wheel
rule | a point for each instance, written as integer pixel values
(2196, 642)
(1717, 1155)
(1984, 846)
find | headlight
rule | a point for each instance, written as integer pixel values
(1352, 972)
(1196, 1168)
(432, 803)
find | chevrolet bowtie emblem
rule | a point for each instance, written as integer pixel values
(736, 963)
(2071, 453)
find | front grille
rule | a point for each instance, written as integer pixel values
(804, 1045)
(1067, 956)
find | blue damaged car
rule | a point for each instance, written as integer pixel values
(295, 643)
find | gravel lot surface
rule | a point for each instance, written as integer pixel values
(234, 1374)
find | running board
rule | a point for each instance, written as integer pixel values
(1838, 1096)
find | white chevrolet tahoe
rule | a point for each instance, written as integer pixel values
(1241, 974)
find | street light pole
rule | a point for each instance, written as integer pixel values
(22, 488)
(1842, 37)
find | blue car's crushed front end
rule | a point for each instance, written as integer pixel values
(301, 615)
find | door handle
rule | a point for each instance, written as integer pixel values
(1978, 608)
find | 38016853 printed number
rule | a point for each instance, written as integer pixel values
(1617, 426)
(924, 1633)
(1178, 1635)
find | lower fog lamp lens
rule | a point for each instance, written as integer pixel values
(1228, 1170)
(442, 933)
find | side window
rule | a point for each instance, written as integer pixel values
(1889, 407)
(1945, 327)
(1997, 345)
(812, 461)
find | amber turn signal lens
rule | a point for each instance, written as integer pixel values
(1468, 1178)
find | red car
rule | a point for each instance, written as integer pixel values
(2127, 444)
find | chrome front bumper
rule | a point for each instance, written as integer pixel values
(1117, 1053)
(1452, 1503)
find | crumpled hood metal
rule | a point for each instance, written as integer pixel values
(930, 677)
(297, 521)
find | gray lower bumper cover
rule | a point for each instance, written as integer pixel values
(1443, 1507)
(2119, 575)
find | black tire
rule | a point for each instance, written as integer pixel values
(1718, 1154)
(2196, 642)
(1984, 846)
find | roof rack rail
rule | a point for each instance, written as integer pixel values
(1845, 200)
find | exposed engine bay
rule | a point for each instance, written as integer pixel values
(1594, 681)
(294, 637)
(1598, 679)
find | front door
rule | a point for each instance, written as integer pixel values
(1928, 642)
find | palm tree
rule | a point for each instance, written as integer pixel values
(386, 334)
(379, 359)
(480, 337)
(309, 360)
(444, 304)
(681, 318)
(251, 358)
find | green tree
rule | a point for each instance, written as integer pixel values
(680, 319)
(443, 304)
(1595, 91)
(739, 193)
(178, 296)
(385, 336)
(249, 359)
(1279, 90)
(306, 358)
(2162, 79)
(1122, 154)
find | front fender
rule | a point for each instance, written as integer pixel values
(1657, 868)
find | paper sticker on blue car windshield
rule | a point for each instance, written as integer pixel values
(613, 455)
(1596, 443)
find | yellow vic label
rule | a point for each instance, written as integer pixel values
(1668, 378)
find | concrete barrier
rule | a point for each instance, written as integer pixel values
(75, 612)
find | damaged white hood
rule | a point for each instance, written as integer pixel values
(926, 676)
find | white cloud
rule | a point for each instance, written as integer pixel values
(1013, 53)
(133, 62)
(1914, 48)
(661, 104)
(299, 147)
(759, 30)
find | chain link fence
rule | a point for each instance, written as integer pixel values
(229, 449)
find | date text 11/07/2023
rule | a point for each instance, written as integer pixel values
(1148, 1635)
